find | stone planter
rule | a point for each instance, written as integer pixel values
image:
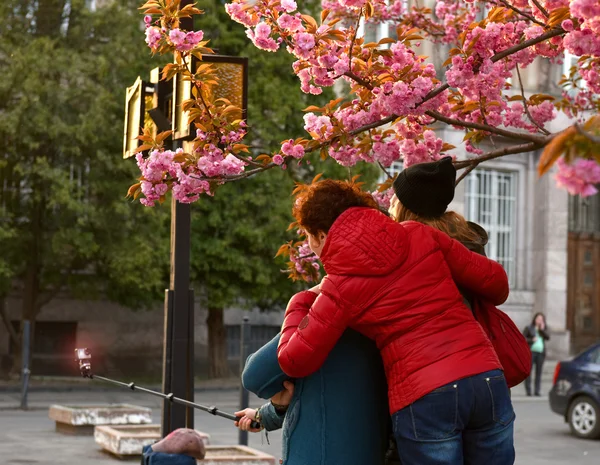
(128, 440)
(81, 419)
(235, 455)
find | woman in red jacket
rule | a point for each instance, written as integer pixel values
(395, 283)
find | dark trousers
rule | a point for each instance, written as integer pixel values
(536, 366)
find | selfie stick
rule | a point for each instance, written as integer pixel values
(84, 357)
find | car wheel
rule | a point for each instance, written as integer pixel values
(584, 418)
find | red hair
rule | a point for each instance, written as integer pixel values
(318, 205)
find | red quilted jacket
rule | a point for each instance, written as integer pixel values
(396, 283)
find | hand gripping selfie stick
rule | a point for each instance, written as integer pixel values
(84, 357)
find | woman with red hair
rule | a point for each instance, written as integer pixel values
(397, 284)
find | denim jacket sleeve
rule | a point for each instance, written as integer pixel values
(262, 374)
(269, 418)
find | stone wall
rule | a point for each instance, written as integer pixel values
(122, 341)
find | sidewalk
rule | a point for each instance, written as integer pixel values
(63, 383)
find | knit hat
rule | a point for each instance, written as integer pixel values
(427, 188)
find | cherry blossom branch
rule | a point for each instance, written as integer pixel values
(248, 160)
(501, 153)
(528, 43)
(497, 57)
(387, 173)
(591, 137)
(541, 8)
(245, 174)
(358, 80)
(484, 127)
(353, 40)
(522, 13)
(465, 173)
(540, 127)
(189, 70)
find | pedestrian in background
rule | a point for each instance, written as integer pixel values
(537, 335)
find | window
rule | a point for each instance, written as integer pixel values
(490, 201)
(587, 257)
(594, 356)
(259, 336)
(588, 278)
(584, 213)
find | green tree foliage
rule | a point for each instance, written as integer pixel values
(64, 222)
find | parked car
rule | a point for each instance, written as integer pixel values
(575, 393)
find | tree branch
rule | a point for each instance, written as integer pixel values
(591, 137)
(51, 294)
(353, 40)
(522, 13)
(247, 160)
(497, 57)
(358, 80)
(484, 127)
(501, 153)
(541, 8)
(541, 128)
(528, 43)
(465, 173)
(384, 170)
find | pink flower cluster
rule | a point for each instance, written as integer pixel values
(261, 37)
(424, 149)
(160, 173)
(455, 18)
(586, 39)
(153, 36)
(242, 15)
(320, 127)
(383, 10)
(304, 259)
(185, 41)
(578, 178)
(383, 198)
(291, 149)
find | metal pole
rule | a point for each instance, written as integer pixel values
(171, 398)
(179, 336)
(244, 352)
(25, 363)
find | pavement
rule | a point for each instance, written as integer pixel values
(28, 437)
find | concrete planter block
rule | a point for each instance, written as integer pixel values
(235, 455)
(81, 419)
(128, 440)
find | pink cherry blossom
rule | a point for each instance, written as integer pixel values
(241, 15)
(291, 23)
(153, 36)
(383, 198)
(260, 37)
(291, 149)
(289, 5)
(578, 178)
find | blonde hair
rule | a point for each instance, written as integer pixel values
(451, 223)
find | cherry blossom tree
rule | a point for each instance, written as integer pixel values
(394, 104)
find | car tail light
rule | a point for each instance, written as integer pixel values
(556, 373)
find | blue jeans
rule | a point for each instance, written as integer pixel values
(469, 422)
